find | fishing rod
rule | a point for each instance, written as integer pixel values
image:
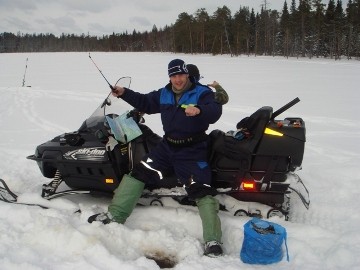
(23, 82)
(111, 87)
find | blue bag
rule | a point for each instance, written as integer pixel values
(263, 242)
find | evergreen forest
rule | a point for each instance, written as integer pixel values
(303, 28)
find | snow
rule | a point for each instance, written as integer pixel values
(62, 89)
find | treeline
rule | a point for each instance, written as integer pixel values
(307, 29)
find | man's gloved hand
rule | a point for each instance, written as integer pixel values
(191, 110)
(117, 91)
(136, 115)
(196, 190)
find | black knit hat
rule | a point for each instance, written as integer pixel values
(177, 66)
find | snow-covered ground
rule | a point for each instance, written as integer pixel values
(66, 88)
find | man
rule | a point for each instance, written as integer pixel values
(221, 95)
(186, 110)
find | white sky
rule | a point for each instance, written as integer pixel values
(104, 17)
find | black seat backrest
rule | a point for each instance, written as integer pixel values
(257, 120)
(256, 124)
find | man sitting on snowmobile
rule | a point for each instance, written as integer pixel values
(186, 109)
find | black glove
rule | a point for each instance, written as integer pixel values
(136, 115)
(196, 190)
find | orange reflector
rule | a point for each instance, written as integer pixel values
(109, 181)
(270, 131)
(248, 185)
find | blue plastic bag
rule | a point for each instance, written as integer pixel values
(263, 241)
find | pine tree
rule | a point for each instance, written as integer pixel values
(202, 20)
(330, 28)
(318, 24)
(351, 33)
(305, 27)
(220, 22)
(183, 33)
(285, 30)
(253, 32)
(242, 31)
(339, 27)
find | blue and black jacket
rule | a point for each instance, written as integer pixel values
(175, 123)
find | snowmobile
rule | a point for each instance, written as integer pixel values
(254, 175)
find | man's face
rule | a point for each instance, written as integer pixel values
(179, 81)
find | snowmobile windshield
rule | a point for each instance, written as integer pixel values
(110, 106)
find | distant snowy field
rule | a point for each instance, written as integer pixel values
(66, 88)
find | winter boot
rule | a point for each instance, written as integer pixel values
(125, 198)
(208, 209)
(104, 218)
(213, 249)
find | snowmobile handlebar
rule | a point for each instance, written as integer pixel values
(284, 108)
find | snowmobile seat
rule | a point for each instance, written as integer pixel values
(236, 149)
(230, 157)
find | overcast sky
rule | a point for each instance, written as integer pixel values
(103, 17)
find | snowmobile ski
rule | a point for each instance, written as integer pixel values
(8, 196)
